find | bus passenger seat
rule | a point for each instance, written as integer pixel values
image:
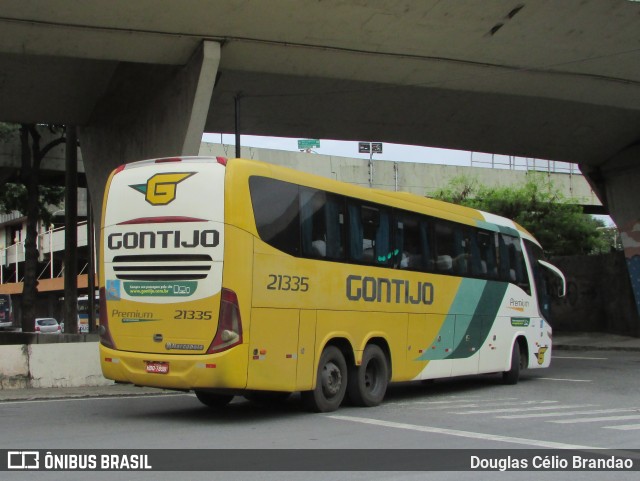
(444, 263)
(319, 248)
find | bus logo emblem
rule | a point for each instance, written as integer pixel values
(161, 188)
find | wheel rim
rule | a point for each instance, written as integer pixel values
(331, 380)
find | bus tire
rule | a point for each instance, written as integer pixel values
(213, 400)
(513, 374)
(331, 382)
(368, 382)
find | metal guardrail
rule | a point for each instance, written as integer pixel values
(512, 162)
(48, 243)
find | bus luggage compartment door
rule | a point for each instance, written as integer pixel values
(273, 349)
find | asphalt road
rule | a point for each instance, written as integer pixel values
(586, 400)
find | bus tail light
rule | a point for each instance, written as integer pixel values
(105, 336)
(229, 331)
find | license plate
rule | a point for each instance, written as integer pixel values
(157, 367)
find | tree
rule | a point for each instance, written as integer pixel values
(31, 199)
(537, 205)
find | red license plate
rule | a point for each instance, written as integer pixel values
(157, 367)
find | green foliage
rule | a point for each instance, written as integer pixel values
(8, 131)
(14, 197)
(539, 207)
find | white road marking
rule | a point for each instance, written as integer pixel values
(624, 427)
(463, 434)
(567, 380)
(30, 401)
(524, 409)
(569, 413)
(464, 401)
(582, 358)
(478, 405)
(593, 420)
(448, 404)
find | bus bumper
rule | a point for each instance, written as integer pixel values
(197, 371)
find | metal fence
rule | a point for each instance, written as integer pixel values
(50, 246)
(511, 162)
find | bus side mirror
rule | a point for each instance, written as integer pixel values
(557, 273)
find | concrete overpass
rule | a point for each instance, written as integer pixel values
(416, 177)
(545, 79)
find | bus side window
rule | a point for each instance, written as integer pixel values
(445, 247)
(487, 250)
(461, 250)
(412, 243)
(276, 210)
(369, 234)
(512, 262)
(503, 260)
(322, 224)
(475, 260)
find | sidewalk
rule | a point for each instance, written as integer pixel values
(112, 390)
(561, 341)
(594, 341)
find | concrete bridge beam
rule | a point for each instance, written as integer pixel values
(148, 111)
(618, 184)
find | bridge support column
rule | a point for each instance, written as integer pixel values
(148, 111)
(618, 183)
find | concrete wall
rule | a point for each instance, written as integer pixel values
(599, 296)
(51, 364)
(417, 178)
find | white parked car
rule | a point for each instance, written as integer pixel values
(47, 325)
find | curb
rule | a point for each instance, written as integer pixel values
(50, 394)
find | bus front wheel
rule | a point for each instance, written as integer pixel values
(513, 374)
(331, 382)
(368, 382)
(213, 400)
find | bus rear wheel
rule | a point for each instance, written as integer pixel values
(331, 382)
(213, 400)
(368, 382)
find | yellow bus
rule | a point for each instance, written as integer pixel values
(245, 278)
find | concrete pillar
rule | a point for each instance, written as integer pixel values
(148, 111)
(618, 182)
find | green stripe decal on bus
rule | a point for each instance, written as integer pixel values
(482, 224)
(466, 301)
(481, 322)
(503, 229)
(476, 303)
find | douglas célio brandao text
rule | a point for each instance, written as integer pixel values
(560, 462)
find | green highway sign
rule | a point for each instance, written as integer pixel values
(305, 144)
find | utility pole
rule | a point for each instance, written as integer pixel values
(237, 122)
(71, 232)
(91, 278)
